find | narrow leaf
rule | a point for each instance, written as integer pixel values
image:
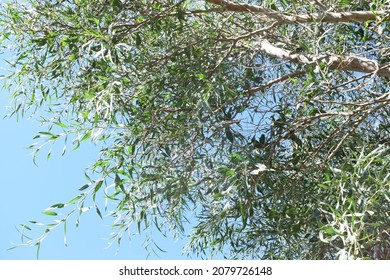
(84, 187)
(98, 212)
(50, 213)
(98, 186)
(73, 200)
(58, 205)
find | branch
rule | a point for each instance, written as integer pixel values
(333, 61)
(252, 91)
(282, 18)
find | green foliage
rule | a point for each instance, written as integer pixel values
(272, 159)
(357, 209)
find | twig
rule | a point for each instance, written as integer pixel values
(275, 81)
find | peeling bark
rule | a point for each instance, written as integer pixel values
(337, 62)
(281, 18)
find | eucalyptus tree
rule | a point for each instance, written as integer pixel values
(265, 122)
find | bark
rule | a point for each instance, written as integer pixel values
(282, 18)
(333, 61)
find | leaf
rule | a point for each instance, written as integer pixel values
(229, 134)
(138, 40)
(98, 212)
(26, 227)
(262, 139)
(65, 241)
(116, 3)
(98, 186)
(94, 20)
(76, 146)
(180, 14)
(329, 230)
(73, 200)
(58, 205)
(63, 150)
(36, 223)
(158, 247)
(323, 186)
(84, 187)
(38, 248)
(344, 3)
(50, 213)
(236, 156)
(226, 171)
(45, 133)
(72, 57)
(86, 136)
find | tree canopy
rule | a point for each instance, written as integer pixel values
(265, 122)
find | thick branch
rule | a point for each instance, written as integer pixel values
(333, 61)
(282, 18)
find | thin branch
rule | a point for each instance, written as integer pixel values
(275, 81)
(351, 81)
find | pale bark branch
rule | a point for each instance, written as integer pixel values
(282, 18)
(333, 61)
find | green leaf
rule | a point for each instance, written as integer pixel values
(62, 125)
(138, 40)
(94, 20)
(116, 3)
(98, 212)
(50, 213)
(58, 205)
(344, 3)
(63, 150)
(72, 57)
(324, 186)
(262, 139)
(26, 227)
(180, 14)
(76, 146)
(329, 230)
(45, 133)
(86, 136)
(84, 187)
(236, 156)
(73, 200)
(158, 247)
(229, 134)
(38, 249)
(226, 171)
(98, 186)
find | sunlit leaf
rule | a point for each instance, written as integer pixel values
(50, 213)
